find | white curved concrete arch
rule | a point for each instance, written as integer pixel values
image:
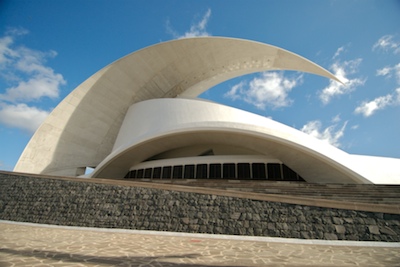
(185, 122)
(82, 129)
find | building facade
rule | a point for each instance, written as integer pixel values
(140, 117)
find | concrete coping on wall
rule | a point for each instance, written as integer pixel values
(316, 202)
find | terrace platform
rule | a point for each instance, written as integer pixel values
(23, 244)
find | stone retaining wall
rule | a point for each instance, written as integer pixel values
(76, 203)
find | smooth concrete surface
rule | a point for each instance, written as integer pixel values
(23, 244)
(82, 129)
(188, 122)
(379, 170)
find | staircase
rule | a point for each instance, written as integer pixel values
(360, 193)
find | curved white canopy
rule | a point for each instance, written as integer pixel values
(188, 122)
(82, 129)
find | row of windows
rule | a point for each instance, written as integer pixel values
(261, 171)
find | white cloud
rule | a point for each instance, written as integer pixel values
(341, 70)
(369, 108)
(25, 68)
(269, 89)
(236, 91)
(339, 51)
(196, 29)
(387, 43)
(4, 166)
(5, 51)
(27, 78)
(13, 31)
(336, 119)
(397, 96)
(396, 70)
(329, 134)
(389, 71)
(35, 88)
(384, 71)
(6, 42)
(22, 116)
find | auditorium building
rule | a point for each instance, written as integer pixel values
(140, 117)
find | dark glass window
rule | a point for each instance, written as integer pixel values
(215, 170)
(288, 174)
(243, 171)
(147, 172)
(166, 172)
(201, 171)
(177, 172)
(189, 172)
(274, 171)
(157, 172)
(133, 174)
(259, 171)
(229, 170)
(140, 173)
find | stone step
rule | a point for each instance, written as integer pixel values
(377, 194)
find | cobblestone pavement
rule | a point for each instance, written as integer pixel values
(35, 245)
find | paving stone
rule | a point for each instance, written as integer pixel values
(373, 229)
(337, 220)
(348, 220)
(330, 236)
(386, 230)
(369, 221)
(35, 245)
(305, 235)
(340, 229)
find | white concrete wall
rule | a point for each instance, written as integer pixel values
(379, 170)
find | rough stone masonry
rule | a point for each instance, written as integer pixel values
(80, 203)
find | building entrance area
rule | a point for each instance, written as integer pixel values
(240, 171)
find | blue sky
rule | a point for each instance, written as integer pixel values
(47, 48)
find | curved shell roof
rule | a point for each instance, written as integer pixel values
(188, 122)
(82, 129)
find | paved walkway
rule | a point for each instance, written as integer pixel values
(36, 245)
